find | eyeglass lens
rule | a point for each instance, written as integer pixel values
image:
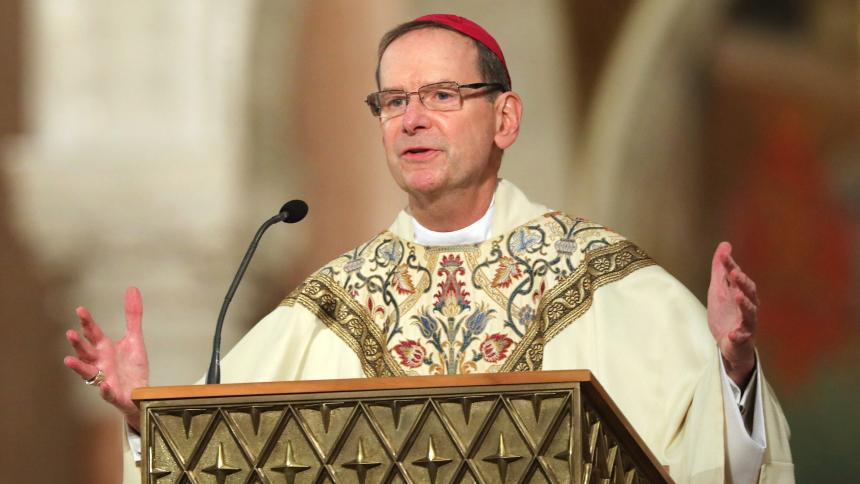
(443, 96)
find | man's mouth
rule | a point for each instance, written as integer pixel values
(419, 154)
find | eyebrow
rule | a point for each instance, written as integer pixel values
(398, 88)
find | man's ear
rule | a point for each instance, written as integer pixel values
(509, 111)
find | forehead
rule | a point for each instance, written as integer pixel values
(426, 56)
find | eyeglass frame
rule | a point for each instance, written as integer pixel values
(474, 85)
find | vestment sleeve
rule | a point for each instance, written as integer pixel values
(744, 446)
(287, 345)
(646, 339)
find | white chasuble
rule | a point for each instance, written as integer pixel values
(546, 291)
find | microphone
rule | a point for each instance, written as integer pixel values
(292, 212)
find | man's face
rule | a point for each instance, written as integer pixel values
(431, 152)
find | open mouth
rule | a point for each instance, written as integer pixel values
(419, 154)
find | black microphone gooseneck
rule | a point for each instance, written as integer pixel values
(292, 212)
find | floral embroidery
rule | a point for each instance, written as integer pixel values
(371, 348)
(353, 266)
(507, 272)
(391, 252)
(477, 321)
(402, 281)
(373, 309)
(451, 298)
(495, 347)
(442, 334)
(623, 259)
(602, 264)
(426, 323)
(482, 307)
(538, 294)
(526, 316)
(412, 354)
(523, 239)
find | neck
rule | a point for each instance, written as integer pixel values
(455, 210)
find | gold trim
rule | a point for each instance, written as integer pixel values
(290, 300)
(438, 249)
(322, 296)
(572, 297)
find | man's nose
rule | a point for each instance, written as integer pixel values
(415, 117)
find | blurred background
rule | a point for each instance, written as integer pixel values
(143, 142)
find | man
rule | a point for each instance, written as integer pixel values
(473, 277)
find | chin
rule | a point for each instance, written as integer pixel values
(423, 182)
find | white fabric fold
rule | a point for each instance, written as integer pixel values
(745, 434)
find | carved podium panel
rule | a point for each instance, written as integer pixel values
(540, 427)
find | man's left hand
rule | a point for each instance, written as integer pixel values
(732, 308)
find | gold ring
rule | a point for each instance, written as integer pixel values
(96, 380)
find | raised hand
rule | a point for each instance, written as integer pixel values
(732, 308)
(123, 363)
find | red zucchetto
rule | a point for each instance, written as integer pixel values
(473, 30)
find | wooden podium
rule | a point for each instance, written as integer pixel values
(540, 427)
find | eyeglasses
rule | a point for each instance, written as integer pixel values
(441, 96)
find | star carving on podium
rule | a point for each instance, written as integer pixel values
(325, 412)
(396, 406)
(466, 404)
(255, 411)
(187, 415)
(155, 473)
(502, 458)
(361, 464)
(290, 467)
(566, 454)
(221, 469)
(537, 399)
(431, 461)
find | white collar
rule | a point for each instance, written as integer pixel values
(477, 232)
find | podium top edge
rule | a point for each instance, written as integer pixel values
(358, 384)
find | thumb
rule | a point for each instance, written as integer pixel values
(718, 267)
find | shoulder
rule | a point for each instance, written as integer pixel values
(585, 247)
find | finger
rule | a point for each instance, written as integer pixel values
(730, 263)
(739, 337)
(746, 285)
(718, 268)
(83, 350)
(748, 311)
(91, 330)
(133, 310)
(85, 370)
(107, 393)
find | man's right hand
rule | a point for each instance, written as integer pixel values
(124, 362)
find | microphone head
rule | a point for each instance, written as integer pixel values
(296, 211)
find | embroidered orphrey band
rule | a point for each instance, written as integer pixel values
(572, 297)
(349, 320)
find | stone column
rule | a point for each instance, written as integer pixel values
(130, 174)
